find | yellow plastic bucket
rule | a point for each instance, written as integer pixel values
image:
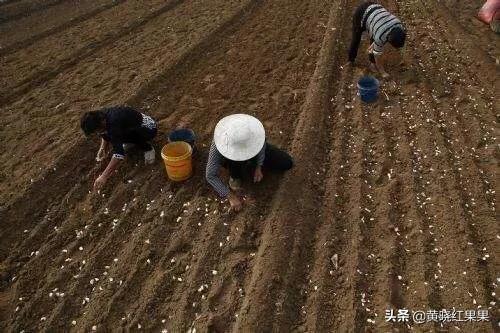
(178, 161)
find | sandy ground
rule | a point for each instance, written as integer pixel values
(390, 206)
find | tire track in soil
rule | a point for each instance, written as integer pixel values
(27, 10)
(18, 45)
(49, 73)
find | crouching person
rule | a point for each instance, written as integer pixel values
(382, 27)
(239, 145)
(119, 127)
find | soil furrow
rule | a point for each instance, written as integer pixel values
(285, 233)
(468, 176)
(96, 227)
(365, 267)
(382, 216)
(14, 45)
(110, 88)
(390, 206)
(64, 160)
(469, 214)
(424, 216)
(193, 80)
(332, 243)
(410, 237)
(447, 277)
(44, 75)
(456, 28)
(32, 7)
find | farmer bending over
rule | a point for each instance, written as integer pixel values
(382, 27)
(118, 127)
(239, 145)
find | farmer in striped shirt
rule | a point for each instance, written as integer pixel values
(382, 27)
(240, 146)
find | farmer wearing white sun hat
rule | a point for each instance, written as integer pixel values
(240, 146)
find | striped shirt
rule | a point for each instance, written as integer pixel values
(379, 23)
(215, 161)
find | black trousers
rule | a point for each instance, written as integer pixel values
(358, 28)
(275, 160)
(141, 137)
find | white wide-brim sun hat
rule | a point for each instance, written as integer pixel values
(239, 137)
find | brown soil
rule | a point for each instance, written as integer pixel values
(402, 192)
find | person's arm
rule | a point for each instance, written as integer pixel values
(105, 145)
(357, 31)
(212, 172)
(212, 176)
(103, 178)
(103, 150)
(376, 50)
(118, 156)
(261, 156)
(379, 66)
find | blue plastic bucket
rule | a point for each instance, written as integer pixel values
(182, 134)
(368, 89)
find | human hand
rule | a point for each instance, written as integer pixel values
(235, 202)
(99, 182)
(257, 176)
(385, 75)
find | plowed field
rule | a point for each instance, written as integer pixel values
(391, 205)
